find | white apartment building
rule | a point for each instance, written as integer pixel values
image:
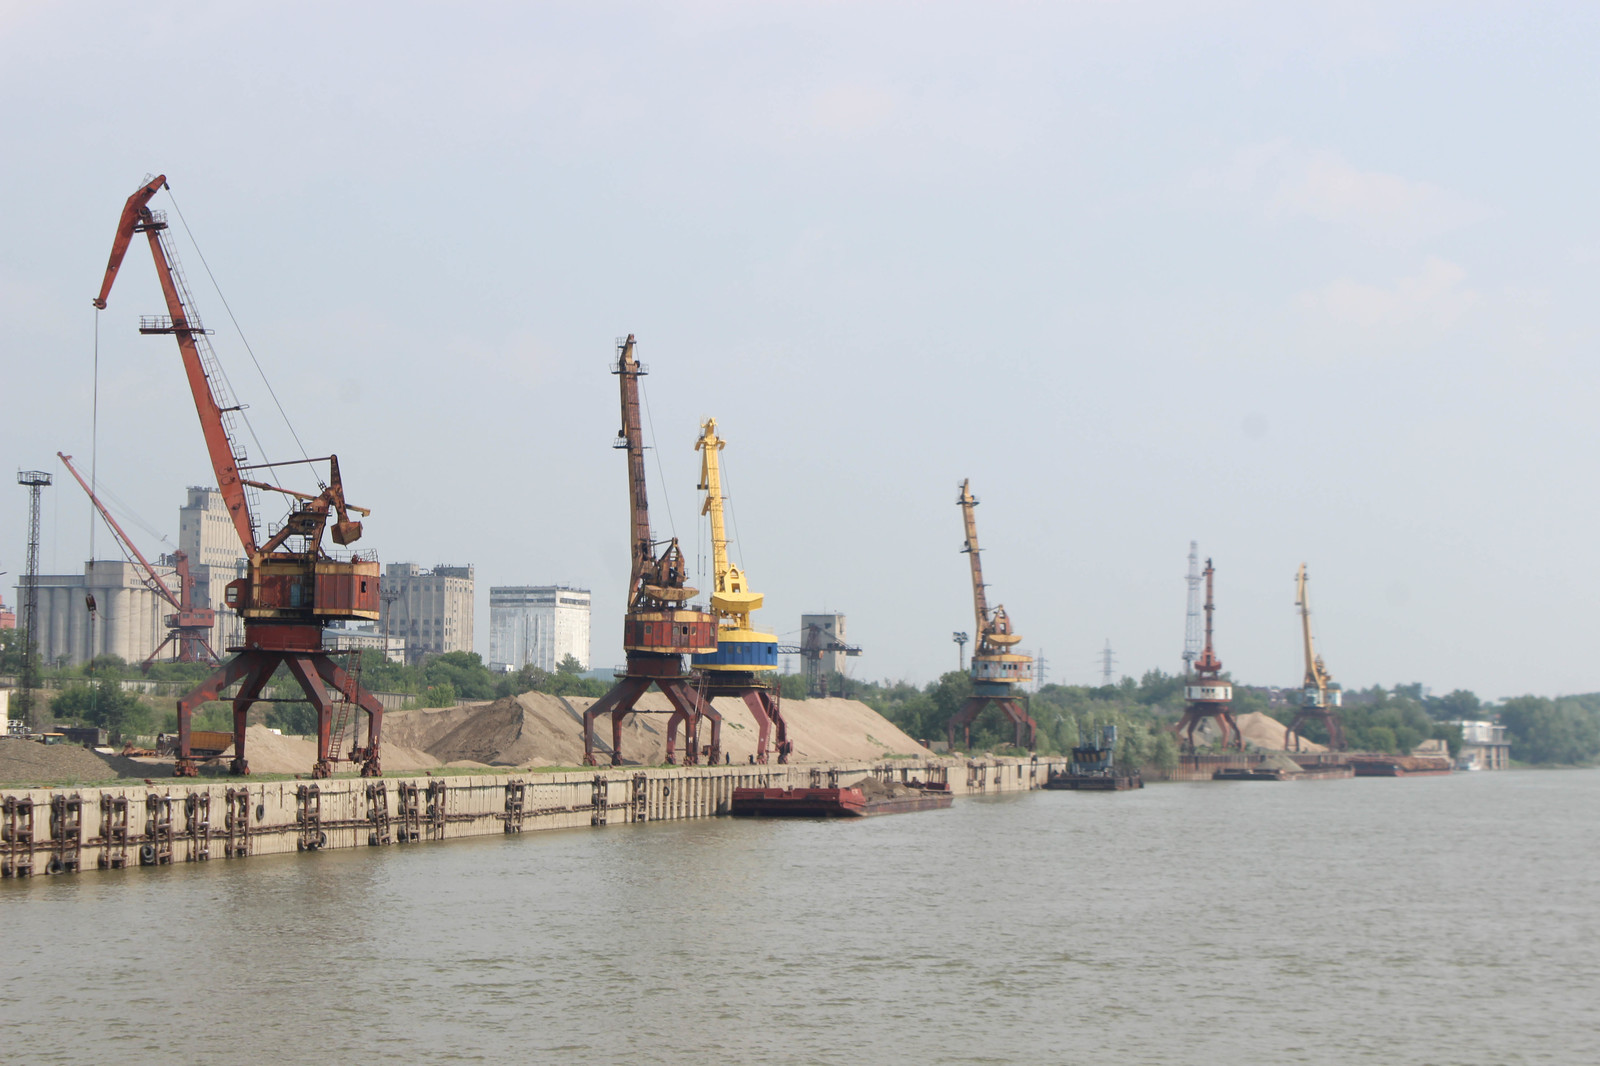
(537, 625)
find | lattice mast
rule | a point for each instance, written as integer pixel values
(1191, 630)
(35, 481)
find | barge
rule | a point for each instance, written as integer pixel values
(1399, 765)
(861, 800)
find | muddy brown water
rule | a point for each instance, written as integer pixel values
(1433, 920)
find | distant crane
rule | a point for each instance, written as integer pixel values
(658, 630)
(293, 587)
(744, 656)
(997, 670)
(816, 642)
(1209, 695)
(189, 629)
(1319, 695)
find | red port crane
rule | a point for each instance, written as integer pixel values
(658, 630)
(189, 628)
(294, 587)
(1209, 694)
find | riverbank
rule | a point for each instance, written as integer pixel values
(160, 823)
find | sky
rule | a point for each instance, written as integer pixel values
(1305, 283)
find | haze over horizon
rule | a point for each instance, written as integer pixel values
(1302, 283)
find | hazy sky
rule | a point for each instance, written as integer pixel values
(1301, 282)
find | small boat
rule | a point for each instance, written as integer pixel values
(1092, 768)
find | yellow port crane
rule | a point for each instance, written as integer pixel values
(997, 669)
(743, 653)
(1319, 694)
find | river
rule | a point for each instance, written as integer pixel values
(1433, 920)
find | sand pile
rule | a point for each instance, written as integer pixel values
(1261, 731)
(872, 788)
(269, 753)
(536, 729)
(27, 762)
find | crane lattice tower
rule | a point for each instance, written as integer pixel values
(35, 481)
(1191, 630)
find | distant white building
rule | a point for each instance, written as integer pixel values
(538, 625)
(1483, 746)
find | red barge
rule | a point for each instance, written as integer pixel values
(852, 801)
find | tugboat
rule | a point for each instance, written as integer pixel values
(1093, 768)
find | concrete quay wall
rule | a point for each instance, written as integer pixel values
(127, 826)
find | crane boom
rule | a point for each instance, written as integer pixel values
(1316, 674)
(653, 581)
(182, 323)
(980, 601)
(159, 586)
(730, 594)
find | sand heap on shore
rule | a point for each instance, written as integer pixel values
(26, 762)
(536, 729)
(1261, 731)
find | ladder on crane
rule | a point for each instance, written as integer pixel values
(345, 704)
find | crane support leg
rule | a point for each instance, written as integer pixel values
(617, 702)
(1024, 728)
(306, 674)
(225, 675)
(784, 744)
(248, 692)
(336, 677)
(689, 707)
(756, 700)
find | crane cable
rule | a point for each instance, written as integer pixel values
(245, 340)
(665, 496)
(94, 431)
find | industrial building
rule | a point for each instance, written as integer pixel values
(431, 610)
(127, 620)
(206, 535)
(363, 636)
(129, 616)
(537, 625)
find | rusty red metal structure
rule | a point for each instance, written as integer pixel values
(1209, 694)
(294, 587)
(189, 628)
(658, 629)
(997, 668)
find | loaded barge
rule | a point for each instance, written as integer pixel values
(863, 799)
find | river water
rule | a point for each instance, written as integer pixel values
(1431, 920)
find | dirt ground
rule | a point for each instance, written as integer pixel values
(530, 730)
(27, 762)
(535, 729)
